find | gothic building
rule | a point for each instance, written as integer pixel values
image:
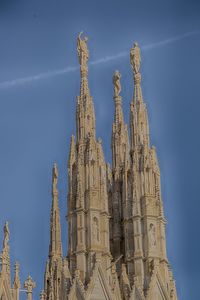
(116, 224)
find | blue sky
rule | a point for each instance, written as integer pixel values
(37, 113)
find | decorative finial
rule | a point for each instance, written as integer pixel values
(82, 50)
(135, 58)
(42, 295)
(6, 236)
(16, 277)
(29, 285)
(117, 84)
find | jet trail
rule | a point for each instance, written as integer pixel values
(49, 74)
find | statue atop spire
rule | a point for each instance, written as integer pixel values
(54, 178)
(83, 52)
(135, 58)
(6, 236)
(117, 84)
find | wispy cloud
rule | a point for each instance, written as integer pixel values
(49, 74)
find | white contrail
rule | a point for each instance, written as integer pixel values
(24, 80)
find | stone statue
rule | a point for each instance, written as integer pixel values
(152, 235)
(117, 84)
(55, 177)
(95, 229)
(135, 58)
(82, 49)
(6, 235)
(124, 274)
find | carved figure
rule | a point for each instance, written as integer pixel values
(152, 235)
(82, 49)
(117, 84)
(124, 274)
(6, 235)
(95, 229)
(135, 58)
(55, 177)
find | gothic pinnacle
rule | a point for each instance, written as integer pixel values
(5, 254)
(55, 248)
(29, 285)
(16, 283)
(16, 276)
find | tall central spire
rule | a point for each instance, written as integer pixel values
(85, 108)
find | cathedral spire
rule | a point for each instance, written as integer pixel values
(138, 118)
(85, 107)
(5, 254)
(120, 143)
(120, 158)
(55, 248)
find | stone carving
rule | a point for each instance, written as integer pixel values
(135, 58)
(95, 229)
(42, 295)
(6, 235)
(117, 84)
(55, 177)
(29, 285)
(82, 49)
(152, 235)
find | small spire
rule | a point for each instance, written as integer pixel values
(119, 129)
(29, 285)
(16, 283)
(138, 113)
(55, 248)
(16, 276)
(5, 254)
